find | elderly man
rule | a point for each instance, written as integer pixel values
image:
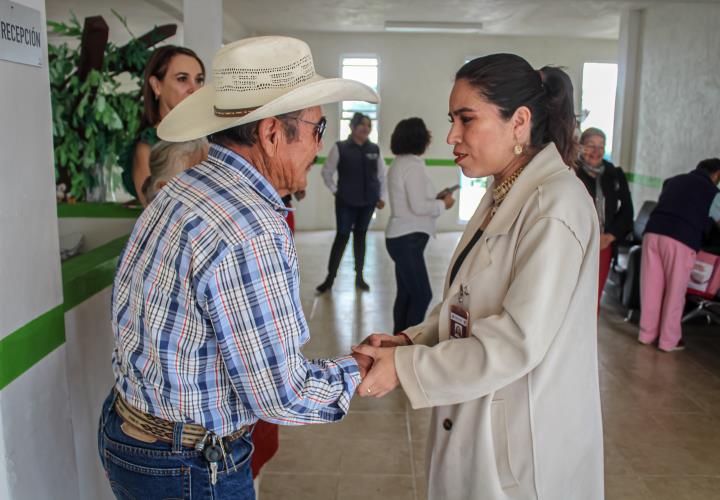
(206, 307)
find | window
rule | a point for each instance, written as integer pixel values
(599, 84)
(471, 192)
(365, 70)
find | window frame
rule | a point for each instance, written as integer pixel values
(359, 55)
(582, 125)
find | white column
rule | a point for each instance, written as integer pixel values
(203, 29)
(629, 69)
(37, 456)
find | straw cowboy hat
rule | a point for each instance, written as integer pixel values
(257, 78)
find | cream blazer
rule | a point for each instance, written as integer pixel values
(516, 406)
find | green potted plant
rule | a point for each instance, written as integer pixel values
(96, 103)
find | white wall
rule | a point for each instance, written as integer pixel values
(416, 76)
(38, 433)
(29, 239)
(89, 348)
(36, 439)
(679, 92)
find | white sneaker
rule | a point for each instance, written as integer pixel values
(679, 347)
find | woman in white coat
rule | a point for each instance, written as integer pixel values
(508, 359)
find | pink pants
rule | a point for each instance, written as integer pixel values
(605, 261)
(664, 275)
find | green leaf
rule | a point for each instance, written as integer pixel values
(100, 104)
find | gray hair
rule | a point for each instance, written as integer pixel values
(168, 159)
(246, 134)
(592, 132)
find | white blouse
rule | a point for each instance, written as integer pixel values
(413, 206)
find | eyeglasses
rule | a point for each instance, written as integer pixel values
(319, 126)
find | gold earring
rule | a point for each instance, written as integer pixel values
(518, 149)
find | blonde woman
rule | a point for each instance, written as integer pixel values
(168, 159)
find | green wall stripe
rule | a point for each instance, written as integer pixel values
(644, 180)
(27, 345)
(97, 211)
(83, 276)
(430, 162)
(440, 162)
(87, 274)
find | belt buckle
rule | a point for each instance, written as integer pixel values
(235, 435)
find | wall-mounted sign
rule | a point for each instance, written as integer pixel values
(21, 32)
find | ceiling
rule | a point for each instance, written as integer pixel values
(566, 18)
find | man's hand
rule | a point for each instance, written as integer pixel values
(364, 363)
(606, 240)
(385, 340)
(380, 204)
(382, 378)
(448, 200)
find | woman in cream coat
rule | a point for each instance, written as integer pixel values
(516, 404)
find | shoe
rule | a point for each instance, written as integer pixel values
(644, 342)
(324, 286)
(679, 347)
(361, 285)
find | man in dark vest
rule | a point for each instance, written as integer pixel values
(689, 204)
(360, 188)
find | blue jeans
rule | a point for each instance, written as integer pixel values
(163, 471)
(413, 285)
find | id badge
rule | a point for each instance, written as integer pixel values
(460, 317)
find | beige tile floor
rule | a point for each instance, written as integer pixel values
(661, 411)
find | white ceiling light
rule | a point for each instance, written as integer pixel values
(431, 27)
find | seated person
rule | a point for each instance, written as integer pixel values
(609, 190)
(168, 159)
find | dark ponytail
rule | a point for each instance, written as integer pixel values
(509, 82)
(561, 122)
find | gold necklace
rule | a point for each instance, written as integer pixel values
(499, 193)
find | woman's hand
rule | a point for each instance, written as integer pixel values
(382, 378)
(385, 340)
(606, 240)
(448, 200)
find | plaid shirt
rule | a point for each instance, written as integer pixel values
(206, 308)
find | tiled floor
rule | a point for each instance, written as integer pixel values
(661, 411)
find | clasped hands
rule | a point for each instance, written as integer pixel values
(376, 358)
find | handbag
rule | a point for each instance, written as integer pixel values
(705, 275)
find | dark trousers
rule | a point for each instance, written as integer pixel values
(355, 220)
(413, 285)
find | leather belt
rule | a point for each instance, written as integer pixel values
(149, 426)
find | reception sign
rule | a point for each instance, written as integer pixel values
(21, 32)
